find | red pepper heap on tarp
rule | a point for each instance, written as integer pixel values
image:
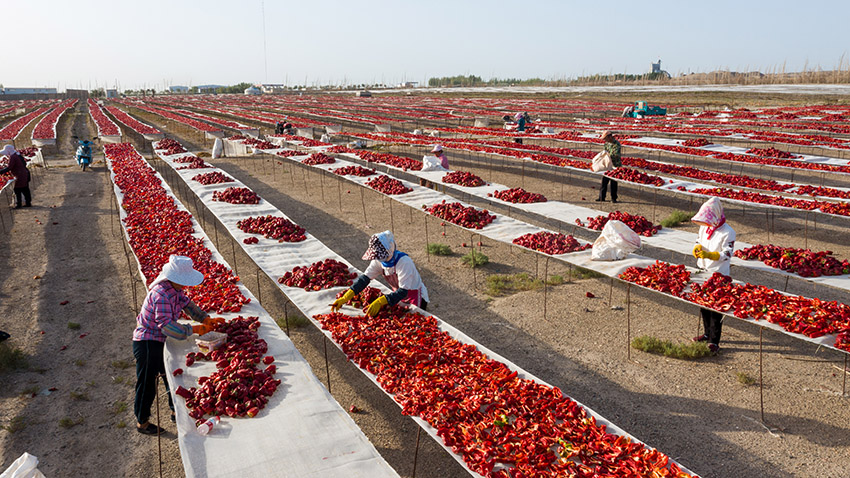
(550, 243)
(639, 224)
(810, 317)
(457, 213)
(238, 388)
(660, 276)
(319, 275)
(804, 262)
(157, 229)
(501, 425)
(273, 227)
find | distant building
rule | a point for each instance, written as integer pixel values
(178, 89)
(364, 94)
(27, 91)
(409, 84)
(208, 88)
(253, 90)
(273, 89)
(112, 94)
(656, 69)
(70, 93)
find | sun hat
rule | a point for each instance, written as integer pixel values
(181, 271)
(8, 150)
(381, 247)
(606, 134)
(437, 148)
(518, 116)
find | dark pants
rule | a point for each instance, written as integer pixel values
(22, 196)
(518, 140)
(713, 323)
(423, 304)
(149, 364)
(603, 190)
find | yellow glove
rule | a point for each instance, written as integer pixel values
(201, 329)
(376, 306)
(349, 294)
(698, 251)
(710, 255)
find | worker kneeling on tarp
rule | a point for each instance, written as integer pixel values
(398, 270)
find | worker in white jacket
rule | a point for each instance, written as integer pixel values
(713, 250)
(398, 271)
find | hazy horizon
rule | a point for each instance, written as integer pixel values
(91, 43)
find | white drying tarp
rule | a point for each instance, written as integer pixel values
(110, 138)
(302, 431)
(612, 269)
(721, 148)
(275, 258)
(669, 239)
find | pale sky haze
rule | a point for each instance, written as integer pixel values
(156, 43)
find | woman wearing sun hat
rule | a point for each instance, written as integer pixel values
(438, 152)
(157, 321)
(398, 271)
(713, 250)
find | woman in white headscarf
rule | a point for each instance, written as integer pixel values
(398, 271)
(713, 250)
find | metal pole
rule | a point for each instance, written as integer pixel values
(339, 192)
(392, 219)
(610, 292)
(628, 322)
(322, 182)
(761, 381)
(844, 383)
(416, 450)
(427, 251)
(259, 288)
(545, 279)
(327, 367)
(158, 421)
(806, 237)
(286, 316)
(363, 203)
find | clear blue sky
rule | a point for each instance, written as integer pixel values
(155, 42)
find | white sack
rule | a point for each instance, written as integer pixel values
(615, 242)
(218, 148)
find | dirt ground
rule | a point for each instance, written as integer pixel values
(697, 412)
(68, 247)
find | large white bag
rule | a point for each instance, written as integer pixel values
(602, 162)
(615, 242)
(26, 466)
(218, 148)
(432, 163)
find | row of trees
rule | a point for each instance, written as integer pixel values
(473, 80)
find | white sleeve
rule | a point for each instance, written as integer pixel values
(374, 270)
(727, 247)
(408, 276)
